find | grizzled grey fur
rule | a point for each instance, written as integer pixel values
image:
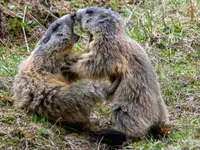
(137, 104)
(40, 85)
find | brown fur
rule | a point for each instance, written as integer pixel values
(137, 102)
(40, 85)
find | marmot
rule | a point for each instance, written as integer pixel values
(40, 85)
(137, 104)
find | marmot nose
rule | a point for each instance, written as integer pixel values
(79, 14)
(73, 16)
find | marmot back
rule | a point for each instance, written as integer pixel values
(137, 105)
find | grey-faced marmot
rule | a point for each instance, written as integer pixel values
(137, 104)
(40, 85)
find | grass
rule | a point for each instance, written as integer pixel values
(170, 33)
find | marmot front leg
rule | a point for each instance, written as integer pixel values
(70, 60)
(86, 66)
(111, 89)
(73, 67)
(73, 57)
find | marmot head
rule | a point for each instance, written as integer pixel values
(95, 20)
(59, 36)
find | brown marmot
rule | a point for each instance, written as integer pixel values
(137, 104)
(40, 85)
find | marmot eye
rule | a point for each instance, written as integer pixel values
(56, 27)
(104, 15)
(89, 11)
(46, 38)
(59, 34)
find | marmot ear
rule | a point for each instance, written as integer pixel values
(46, 38)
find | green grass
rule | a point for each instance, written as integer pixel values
(170, 33)
(10, 60)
